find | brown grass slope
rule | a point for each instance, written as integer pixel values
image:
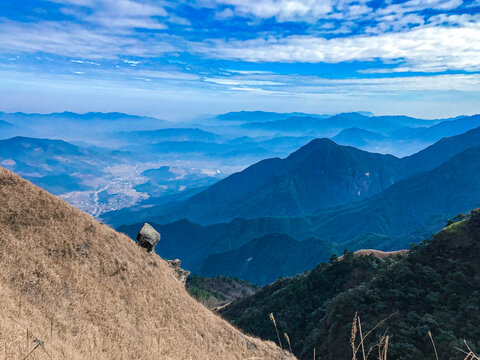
(89, 292)
(378, 253)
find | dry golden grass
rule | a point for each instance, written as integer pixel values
(359, 343)
(377, 253)
(88, 292)
(383, 342)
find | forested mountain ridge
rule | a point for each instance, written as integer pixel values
(435, 287)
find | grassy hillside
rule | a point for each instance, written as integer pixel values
(435, 287)
(88, 292)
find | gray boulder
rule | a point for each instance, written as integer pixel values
(178, 271)
(148, 237)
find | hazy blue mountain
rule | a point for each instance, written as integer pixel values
(265, 259)
(272, 146)
(32, 156)
(358, 137)
(193, 243)
(295, 124)
(442, 150)
(275, 187)
(409, 211)
(183, 147)
(5, 126)
(21, 117)
(59, 184)
(168, 134)
(281, 143)
(419, 204)
(335, 174)
(8, 130)
(260, 116)
(443, 129)
(160, 174)
(331, 125)
(78, 127)
(245, 140)
(202, 151)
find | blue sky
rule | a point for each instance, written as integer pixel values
(179, 59)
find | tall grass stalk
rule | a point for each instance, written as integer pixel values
(276, 329)
(433, 343)
(288, 342)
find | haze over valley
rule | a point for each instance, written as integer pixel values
(103, 162)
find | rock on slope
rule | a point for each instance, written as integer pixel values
(89, 292)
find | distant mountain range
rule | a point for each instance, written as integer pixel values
(276, 187)
(329, 125)
(128, 169)
(261, 116)
(358, 137)
(33, 156)
(416, 199)
(319, 175)
(8, 130)
(167, 134)
(442, 129)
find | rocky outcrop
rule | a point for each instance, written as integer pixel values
(178, 271)
(148, 237)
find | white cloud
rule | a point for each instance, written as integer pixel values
(300, 85)
(76, 41)
(423, 48)
(283, 10)
(247, 72)
(314, 10)
(131, 62)
(442, 83)
(256, 91)
(169, 75)
(464, 20)
(240, 81)
(224, 14)
(116, 13)
(418, 5)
